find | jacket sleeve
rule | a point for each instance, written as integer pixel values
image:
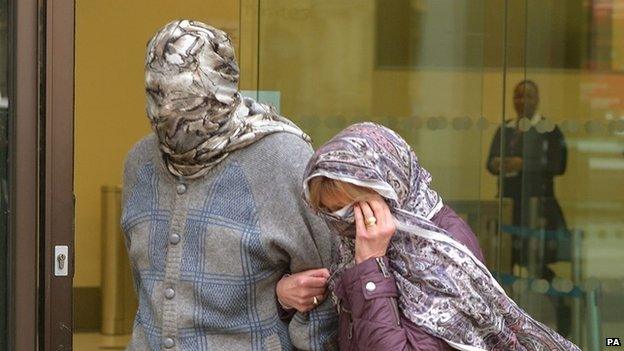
(317, 329)
(368, 300)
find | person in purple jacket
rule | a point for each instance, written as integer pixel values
(408, 273)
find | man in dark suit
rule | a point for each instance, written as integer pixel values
(534, 152)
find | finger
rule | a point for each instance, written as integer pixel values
(319, 299)
(321, 273)
(322, 297)
(313, 282)
(360, 227)
(377, 204)
(366, 210)
(387, 214)
(316, 298)
(385, 221)
(382, 212)
(369, 213)
(318, 292)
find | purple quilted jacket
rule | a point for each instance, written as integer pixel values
(369, 318)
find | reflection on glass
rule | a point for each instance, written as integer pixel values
(569, 250)
(534, 152)
(433, 71)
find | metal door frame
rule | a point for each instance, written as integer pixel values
(23, 177)
(57, 177)
(41, 102)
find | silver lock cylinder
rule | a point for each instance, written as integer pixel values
(61, 260)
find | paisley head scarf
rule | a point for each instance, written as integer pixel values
(443, 288)
(193, 102)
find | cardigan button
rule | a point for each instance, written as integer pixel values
(169, 293)
(181, 189)
(370, 286)
(168, 343)
(174, 238)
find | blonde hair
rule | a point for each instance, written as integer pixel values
(322, 187)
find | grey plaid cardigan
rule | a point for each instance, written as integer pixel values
(206, 254)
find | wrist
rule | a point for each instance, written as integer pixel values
(277, 293)
(284, 306)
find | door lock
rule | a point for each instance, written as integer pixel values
(61, 261)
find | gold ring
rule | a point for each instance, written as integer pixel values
(315, 301)
(370, 221)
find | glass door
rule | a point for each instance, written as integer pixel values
(564, 141)
(430, 70)
(513, 106)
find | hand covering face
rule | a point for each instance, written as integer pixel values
(443, 287)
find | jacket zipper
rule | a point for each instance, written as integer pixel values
(395, 309)
(350, 328)
(347, 311)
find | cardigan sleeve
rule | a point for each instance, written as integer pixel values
(297, 239)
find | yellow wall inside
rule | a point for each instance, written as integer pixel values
(110, 101)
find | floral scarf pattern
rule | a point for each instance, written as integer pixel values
(193, 102)
(443, 287)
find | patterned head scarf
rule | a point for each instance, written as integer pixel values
(443, 287)
(193, 102)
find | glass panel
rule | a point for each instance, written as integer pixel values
(564, 171)
(434, 72)
(4, 142)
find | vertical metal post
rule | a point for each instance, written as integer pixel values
(577, 241)
(594, 339)
(536, 243)
(57, 163)
(23, 178)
